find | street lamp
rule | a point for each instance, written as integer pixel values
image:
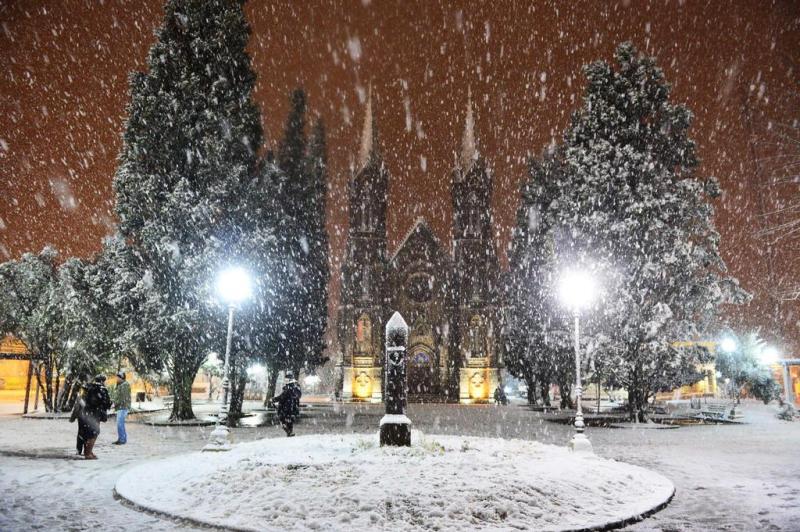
(577, 290)
(769, 355)
(233, 287)
(728, 344)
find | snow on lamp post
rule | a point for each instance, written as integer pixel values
(233, 287)
(576, 291)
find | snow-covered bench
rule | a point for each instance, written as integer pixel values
(168, 401)
(714, 410)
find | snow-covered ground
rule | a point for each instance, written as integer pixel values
(727, 477)
(336, 481)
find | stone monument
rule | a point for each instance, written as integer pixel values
(395, 426)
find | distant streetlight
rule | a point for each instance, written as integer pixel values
(769, 355)
(233, 287)
(577, 290)
(728, 344)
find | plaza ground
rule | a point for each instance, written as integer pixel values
(727, 477)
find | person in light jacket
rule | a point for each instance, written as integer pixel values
(122, 403)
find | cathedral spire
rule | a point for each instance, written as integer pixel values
(469, 150)
(367, 134)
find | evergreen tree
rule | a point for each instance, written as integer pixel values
(120, 290)
(318, 273)
(746, 372)
(292, 192)
(631, 205)
(537, 341)
(54, 310)
(301, 194)
(31, 310)
(184, 195)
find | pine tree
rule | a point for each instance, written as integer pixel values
(303, 241)
(183, 183)
(293, 194)
(631, 205)
(537, 340)
(318, 248)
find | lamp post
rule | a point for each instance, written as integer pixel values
(233, 287)
(577, 291)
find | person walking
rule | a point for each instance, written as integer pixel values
(97, 402)
(122, 403)
(500, 397)
(78, 414)
(288, 404)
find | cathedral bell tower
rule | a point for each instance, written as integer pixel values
(476, 314)
(362, 301)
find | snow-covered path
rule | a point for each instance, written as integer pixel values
(727, 477)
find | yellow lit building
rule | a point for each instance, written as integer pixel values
(707, 387)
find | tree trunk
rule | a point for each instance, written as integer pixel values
(238, 380)
(272, 383)
(531, 394)
(544, 390)
(54, 396)
(182, 379)
(47, 388)
(566, 401)
(637, 404)
(210, 378)
(66, 394)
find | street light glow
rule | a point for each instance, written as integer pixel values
(311, 380)
(728, 345)
(233, 285)
(769, 355)
(576, 290)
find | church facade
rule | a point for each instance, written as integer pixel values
(451, 297)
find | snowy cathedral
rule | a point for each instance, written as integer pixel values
(451, 298)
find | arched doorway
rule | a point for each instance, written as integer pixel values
(421, 375)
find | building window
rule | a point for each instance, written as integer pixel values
(477, 337)
(365, 282)
(363, 334)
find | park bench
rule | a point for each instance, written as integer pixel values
(715, 410)
(168, 400)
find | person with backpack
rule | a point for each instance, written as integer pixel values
(288, 404)
(95, 411)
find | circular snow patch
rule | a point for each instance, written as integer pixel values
(335, 482)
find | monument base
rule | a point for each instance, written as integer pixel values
(395, 430)
(580, 444)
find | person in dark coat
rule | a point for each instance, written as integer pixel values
(78, 415)
(500, 396)
(288, 404)
(95, 411)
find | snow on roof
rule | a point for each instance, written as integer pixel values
(396, 323)
(418, 222)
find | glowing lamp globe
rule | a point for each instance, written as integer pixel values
(311, 380)
(769, 355)
(233, 285)
(577, 290)
(728, 345)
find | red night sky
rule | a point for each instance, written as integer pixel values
(735, 64)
